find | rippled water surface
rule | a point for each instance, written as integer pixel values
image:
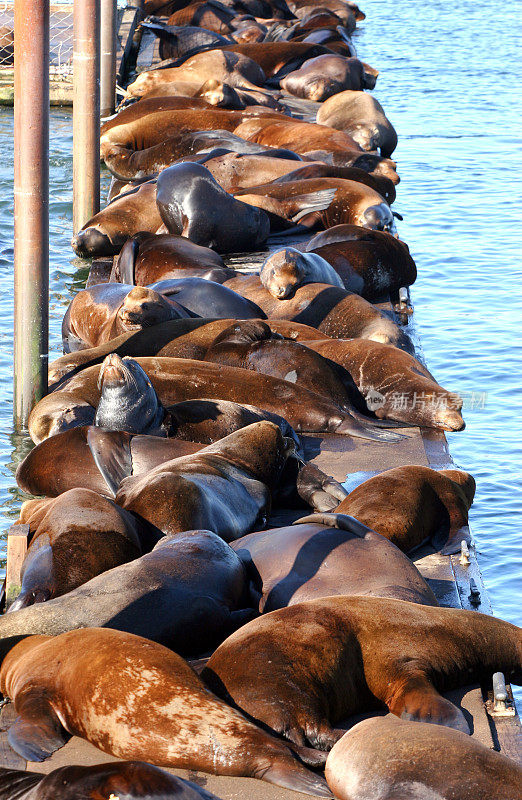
(449, 80)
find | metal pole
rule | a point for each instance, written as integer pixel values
(108, 57)
(31, 206)
(86, 111)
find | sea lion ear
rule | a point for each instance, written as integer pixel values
(112, 455)
(37, 732)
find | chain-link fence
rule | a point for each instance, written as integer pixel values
(61, 39)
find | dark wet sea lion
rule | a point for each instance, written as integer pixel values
(128, 401)
(302, 669)
(395, 384)
(192, 204)
(390, 758)
(188, 594)
(325, 555)
(352, 202)
(177, 379)
(133, 780)
(106, 310)
(176, 725)
(147, 258)
(320, 78)
(411, 504)
(285, 270)
(374, 264)
(362, 117)
(106, 233)
(179, 338)
(74, 537)
(317, 142)
(336, 312)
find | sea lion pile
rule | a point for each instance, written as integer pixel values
(179, 519)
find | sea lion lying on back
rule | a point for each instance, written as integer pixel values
(104, 311)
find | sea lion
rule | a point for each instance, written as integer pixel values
(106, 310)
(213, 92)
(147, 258)
(394, 383)
(106, 232)
(179, 338)
(318, 662)
(252, 345)
(350, 202)
(373, 263)
(177, 379)
(314, 558)
(318, 142)
(348, 14)
(320, 78)
(74, 537)
(285, 270)
(334, 311)
(411, 504)
(276, 59)
(193, 204)
(232, 68)
(388, 758)
(188, 593)
(133, 780)
(362, 117)
(235, 171)
(165, 714)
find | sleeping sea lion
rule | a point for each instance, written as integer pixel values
(320, 78)
(362, 117)
(285, 270)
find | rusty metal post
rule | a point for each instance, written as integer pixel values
(86, 111)
(31, 206)
(109, 11)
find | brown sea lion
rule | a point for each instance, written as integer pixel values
(178, 379)
(302, 669)
(285, 270)
(133, 780)
(235, 171)
(213, 92)
(395, 384)
(373, 263)
(388, 758)
(130, 212)
(317, 142)
(352, 203)
(348, 15)
(192, 204)
(277, 58)
(147, 258)
(73, 538)
(362, 117)
(177, 338)
(106, 310)
(334, 311)
(324, 76)
(188, 593)
(325, 555)
(411, 504)
(165, 714)
(232, 68)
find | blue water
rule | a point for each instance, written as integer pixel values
(447, 82)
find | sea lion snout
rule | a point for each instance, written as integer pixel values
(92, 242)
(143, 307)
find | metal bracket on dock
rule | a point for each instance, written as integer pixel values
(17, 540)
(403, 309)
(500, 702)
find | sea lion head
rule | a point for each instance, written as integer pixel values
(128, 399)
(91, 243)
(143, 308)
(221, 95)
(379, 218)
(282, 272)
(127, 780)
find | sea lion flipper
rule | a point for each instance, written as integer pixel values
(319, 490)
(454, 541)
(315, 201)
(37, 733)
(417, 700)
(112, 455)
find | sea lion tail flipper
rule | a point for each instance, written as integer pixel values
(320, 491)
(15, 783)
(37, 732)
(292, 775)
(417, 700)
(112, 455)
(352, 427)
(314, 201)
(123, 271)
